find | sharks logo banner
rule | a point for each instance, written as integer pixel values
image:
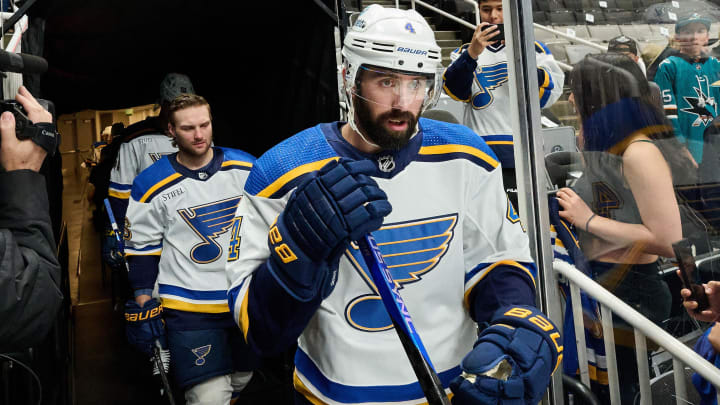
(411, 250)
(209, 221)
(488, 78)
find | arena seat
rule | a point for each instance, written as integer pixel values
(540, 17)
(657, 30)
(558, 50)
(581, 31)
(619, 16)
(627, 4)
(551, 5)
(544, 36)
(584, 16)
(561, 17)
(604, 32)
(639, 32)
(577, 52)
(609, 4)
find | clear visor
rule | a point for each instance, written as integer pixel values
(396, 89)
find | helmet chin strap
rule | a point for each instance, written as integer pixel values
(353, 124)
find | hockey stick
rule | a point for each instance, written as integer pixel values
(156, 358)
(419, 359)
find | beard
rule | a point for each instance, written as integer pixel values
(376, 130)
(187, 148)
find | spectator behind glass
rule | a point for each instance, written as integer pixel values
(623, 207)
(688, 82)
(29, 271)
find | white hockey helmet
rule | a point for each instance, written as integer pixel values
(399, 40)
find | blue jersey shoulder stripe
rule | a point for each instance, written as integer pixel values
(192, 294)
(444, 141)
(541, 48)
(154, 177)
(356, 394)
(279, 169)
(120, 187)
(230, 154)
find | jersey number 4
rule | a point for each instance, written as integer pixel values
(234, 248)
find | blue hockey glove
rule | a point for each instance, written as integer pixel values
(337, 204)
(111, 251)
(145, 325)
(512, 361)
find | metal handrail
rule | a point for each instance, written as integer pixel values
(643, 327)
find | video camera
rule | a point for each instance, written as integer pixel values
(44, 134)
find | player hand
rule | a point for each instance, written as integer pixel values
(712, 290)
(512, 361)
(573, 208)
(144, 325)
(111, 252)
(336, 205)
(481, 39)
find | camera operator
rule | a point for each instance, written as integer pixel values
(29, 270)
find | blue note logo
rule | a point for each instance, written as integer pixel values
(200, 353)
(488, 78)
(209, 221)
(411, 249)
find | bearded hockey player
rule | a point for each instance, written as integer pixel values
(478, 77)
(431, 194)
(690, 84)
(178, 230)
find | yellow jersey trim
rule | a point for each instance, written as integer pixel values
(244, 318)
(159, 185)
(512, 263)
(236, 163)
(186, 306)
(453, 148)
(293, 174)
(123, 195)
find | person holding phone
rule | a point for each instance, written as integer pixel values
(708, 345)
(478, 78)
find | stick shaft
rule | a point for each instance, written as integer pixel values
(414, 348)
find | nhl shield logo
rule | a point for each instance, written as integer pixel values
(200, 353)
(386, 163)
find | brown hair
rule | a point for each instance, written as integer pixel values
(184, 101)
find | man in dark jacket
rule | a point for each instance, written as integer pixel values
(29, 271)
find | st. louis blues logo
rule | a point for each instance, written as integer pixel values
(488, 78)
(154, 156)
(410, 249)
(200, 353)
(209, 221)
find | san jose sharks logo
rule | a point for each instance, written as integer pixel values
(703, 106)
(209, 221)
(488, 78)
(410, 249)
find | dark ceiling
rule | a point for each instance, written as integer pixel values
(266, 67)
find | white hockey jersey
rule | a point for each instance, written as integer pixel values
(451, 225)
(135, 156)
(487, 102)
(187, 218)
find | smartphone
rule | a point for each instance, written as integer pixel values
(686, 264)
(500, 28)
